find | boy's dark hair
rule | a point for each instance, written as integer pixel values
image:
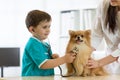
(34, 17)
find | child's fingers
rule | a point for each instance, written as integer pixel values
(74, 54)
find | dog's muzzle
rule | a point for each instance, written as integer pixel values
(79, 39)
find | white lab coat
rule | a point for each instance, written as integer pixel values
(100, 32)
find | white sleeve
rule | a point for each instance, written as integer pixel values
(116, 53)
(97, 33)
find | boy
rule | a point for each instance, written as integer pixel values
(38, 59)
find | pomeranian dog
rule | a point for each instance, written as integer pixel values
(80, 44)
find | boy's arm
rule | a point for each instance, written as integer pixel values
(54, 56)
(51, 63)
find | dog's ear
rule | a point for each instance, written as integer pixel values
(71, 32)
(88, 32)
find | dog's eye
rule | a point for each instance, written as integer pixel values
(82, 36)
(75, 36)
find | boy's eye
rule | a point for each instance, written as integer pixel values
(46, 27)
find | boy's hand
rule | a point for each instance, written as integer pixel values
(69, 57)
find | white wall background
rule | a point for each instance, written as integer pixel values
(13, 32)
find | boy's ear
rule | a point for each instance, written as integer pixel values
(31, 29)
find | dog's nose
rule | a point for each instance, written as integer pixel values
(78, 37)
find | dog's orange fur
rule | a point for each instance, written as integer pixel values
(81, 40)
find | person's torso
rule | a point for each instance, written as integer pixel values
(111, 39)
(35, 53)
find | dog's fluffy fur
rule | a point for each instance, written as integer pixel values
(80, 44)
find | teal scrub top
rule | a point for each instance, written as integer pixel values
(35, 54)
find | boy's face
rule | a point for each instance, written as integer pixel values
(42, 30)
